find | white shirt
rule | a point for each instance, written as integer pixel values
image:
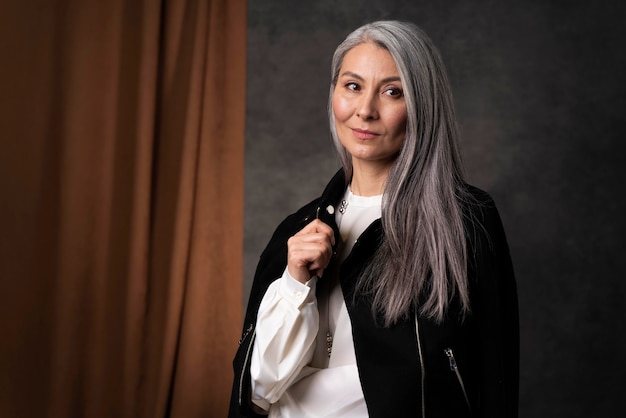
(292, 374)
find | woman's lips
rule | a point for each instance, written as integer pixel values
(364, 133)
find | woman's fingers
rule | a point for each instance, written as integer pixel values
(311, 255)
(318, 226)
(310, 251)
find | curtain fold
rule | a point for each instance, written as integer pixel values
(121, 158)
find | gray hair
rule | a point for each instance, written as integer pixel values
(422, 260)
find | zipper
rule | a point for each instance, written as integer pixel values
(245, 333)
(245, 361)
(423, 370)
(455, 368)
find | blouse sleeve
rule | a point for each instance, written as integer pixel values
(287, 325)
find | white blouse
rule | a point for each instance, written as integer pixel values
(292, 373)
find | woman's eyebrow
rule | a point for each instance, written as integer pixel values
(351, 74)
(358, 77)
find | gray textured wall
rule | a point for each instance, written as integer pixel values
(540, 93)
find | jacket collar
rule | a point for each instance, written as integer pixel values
(335, 189)
(324, 208)
(333, 192)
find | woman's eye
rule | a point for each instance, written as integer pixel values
(353, 86)
(394, 92)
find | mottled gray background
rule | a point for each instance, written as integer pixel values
(540, 93)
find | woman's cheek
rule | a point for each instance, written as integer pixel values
(340, 107)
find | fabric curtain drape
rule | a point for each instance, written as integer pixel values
(121, 206)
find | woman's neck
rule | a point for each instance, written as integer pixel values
(368, 181)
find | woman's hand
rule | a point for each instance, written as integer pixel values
(310, 251)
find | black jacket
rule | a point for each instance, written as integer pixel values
(408, 369)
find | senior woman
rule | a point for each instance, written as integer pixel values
(392, 294)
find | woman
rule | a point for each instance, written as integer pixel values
(393, 293)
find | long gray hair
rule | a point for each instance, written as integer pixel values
(422, 260)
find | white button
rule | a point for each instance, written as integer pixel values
(330, 209)
(298, 295)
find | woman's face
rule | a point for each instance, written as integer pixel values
(368, 104)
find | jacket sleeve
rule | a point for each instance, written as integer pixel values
(271, 265)
(498, 319)
(287, 324)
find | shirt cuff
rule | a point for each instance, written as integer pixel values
(295, 292)
(262, 403)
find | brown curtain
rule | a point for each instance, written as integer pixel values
(121, 206)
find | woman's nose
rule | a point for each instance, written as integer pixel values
(367, 107)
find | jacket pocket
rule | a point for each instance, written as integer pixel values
(455, 369)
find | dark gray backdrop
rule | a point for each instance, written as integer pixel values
(539, 90)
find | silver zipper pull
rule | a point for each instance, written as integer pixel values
(245, 333)
(451, 359)
(456, 371)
